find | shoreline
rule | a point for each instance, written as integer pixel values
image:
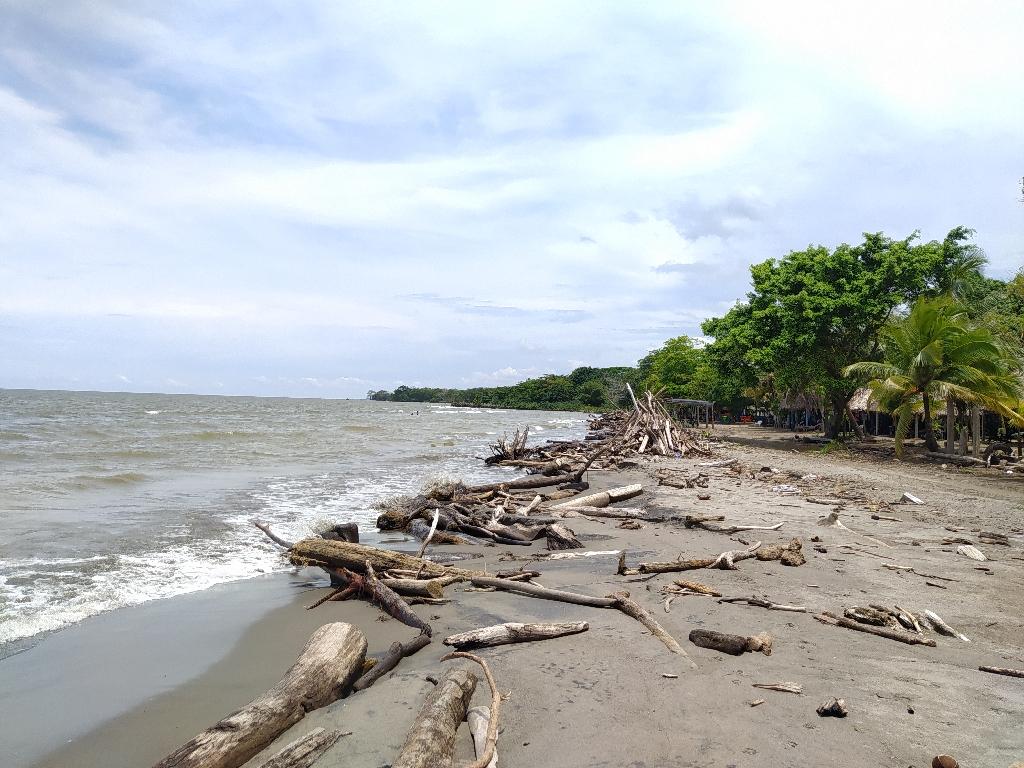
(588, 699)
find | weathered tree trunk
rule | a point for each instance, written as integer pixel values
(340, 554)
(325, 669)
(929, 430)
(389, 661)
(513, 632)
(302, 753)
(736, 645)
(1003, 671)
(431, 740)
(891, 634)
(975, 431)
(950, 423)
(561, 537)
(857, 428)
(386, 599)
(479, 719)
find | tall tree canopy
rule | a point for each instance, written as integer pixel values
(814, 312)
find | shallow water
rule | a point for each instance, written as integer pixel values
(111, 499)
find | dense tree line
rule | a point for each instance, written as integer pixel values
(824, 322)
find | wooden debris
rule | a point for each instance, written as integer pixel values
(305, 751)
(561, 537)
(604, 498)
(735, 645)
(967, 550)
(706, 522)
(943, 628)
(756, 702)
(1003, 671)
(325, 669)
(782, 686)
(479, 720)
(513, 632)
(389, 661)
(909, 498)
(340, 554)
(832, 708)
(762, 603)
(430, 742)
(632, 608)
(535, 590)
(887, 632)
(483, 760)
(696, 586)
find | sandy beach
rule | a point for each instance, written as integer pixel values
(602, 698)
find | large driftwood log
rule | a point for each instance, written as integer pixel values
(632, 608)
(736, 645)
(389, 661)
(302, 753)
(513, 632)
(325, 669)
(627, 513)
(892, 634)
(431, 740)
(535, 590)
(604, 498)
(340, 554)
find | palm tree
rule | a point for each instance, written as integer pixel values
(935, 353)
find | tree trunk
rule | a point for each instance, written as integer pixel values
(561, 537)
(976, 431)
(929, 433)
(513, 632)
(950, 423)
(395, 654)
(857, 428)
(431, 740)
(325, 669)
(302, 753)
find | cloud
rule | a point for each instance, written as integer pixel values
(334, 197)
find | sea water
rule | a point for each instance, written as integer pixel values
(113, 499)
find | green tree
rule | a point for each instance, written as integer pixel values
(816, 311)
(593, 393)
(936, 353)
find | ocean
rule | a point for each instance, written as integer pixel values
(112, 499)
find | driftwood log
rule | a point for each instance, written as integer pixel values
(632, 608)
(535, 590)
(431, 740)
(389, 661)
(1003, 671)
(513, 632)
(888, 632)
(604, 498)
(385, 598)
(325, 669)
(736, 645)
(302, 753)
(762, 603)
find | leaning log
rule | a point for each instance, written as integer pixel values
(302, 753)
(340, 554)
(389, 661)
(431, 740)
(513, 632)
(386, 598)
(325, 669)
(635, 610)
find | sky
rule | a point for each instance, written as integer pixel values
(318, 199)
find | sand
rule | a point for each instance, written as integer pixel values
(600, 698)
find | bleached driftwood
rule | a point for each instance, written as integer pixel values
(943, 628)
(513, 632)
(479, 719)
(1003, 671)
(303, 752)
(762, 603)
(535, 590)
(430, 742)
(325, 669)
(632, 608)
(604, 498)
(491, 741)
(396, 652)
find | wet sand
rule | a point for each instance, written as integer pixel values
(601, 699)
